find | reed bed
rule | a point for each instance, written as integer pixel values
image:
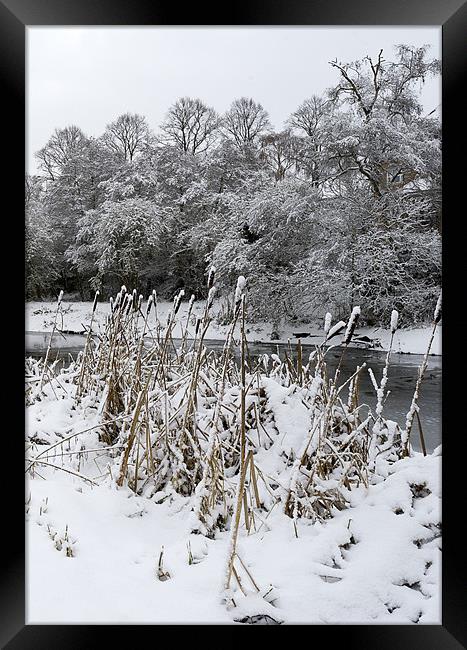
(231, 435)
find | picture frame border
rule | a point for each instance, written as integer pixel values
(451, 15)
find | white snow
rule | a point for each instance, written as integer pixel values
(362, 566)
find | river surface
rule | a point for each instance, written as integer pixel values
(402, 375)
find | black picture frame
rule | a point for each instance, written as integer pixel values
(15, 16)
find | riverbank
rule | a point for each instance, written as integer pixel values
(77, 317)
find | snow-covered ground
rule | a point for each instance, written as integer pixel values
(77, 316)
(366, 565)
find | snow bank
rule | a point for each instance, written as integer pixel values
(77, 316)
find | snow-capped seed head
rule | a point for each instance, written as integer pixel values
(394, 319)
(140, 301)
(128, 303)
(437, 314)
(327, 322)
(352, 324)
(60, 296)
(149, 305)
(94, 305)
(211, 275)
(123, 290)
(335, 329)
(154, 297)
(178, 300)
(211, 294)
(192, 300)
(112, 307)
(241, 282)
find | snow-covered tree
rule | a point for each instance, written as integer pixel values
(118, 243)
(377, 254)
(342, 207)
(41, 259)
(60, 149)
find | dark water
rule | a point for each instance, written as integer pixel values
(402, 375)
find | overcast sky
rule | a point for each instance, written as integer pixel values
(89, 76)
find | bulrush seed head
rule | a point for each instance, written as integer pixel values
(149, 305)
(178, 301)
(211, 294)
(96, 296)
(352, 324)
(241, 283)
(338, 327)
(437, 314)
(211, 275)
(128, 303)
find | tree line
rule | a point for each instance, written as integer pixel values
(341, 207)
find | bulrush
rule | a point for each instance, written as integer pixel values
(232, 435)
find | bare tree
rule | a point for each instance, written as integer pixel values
(245, 121)
(280, 151)
(309, 115)
(127, 135)
(59, 150)
(190, 125)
